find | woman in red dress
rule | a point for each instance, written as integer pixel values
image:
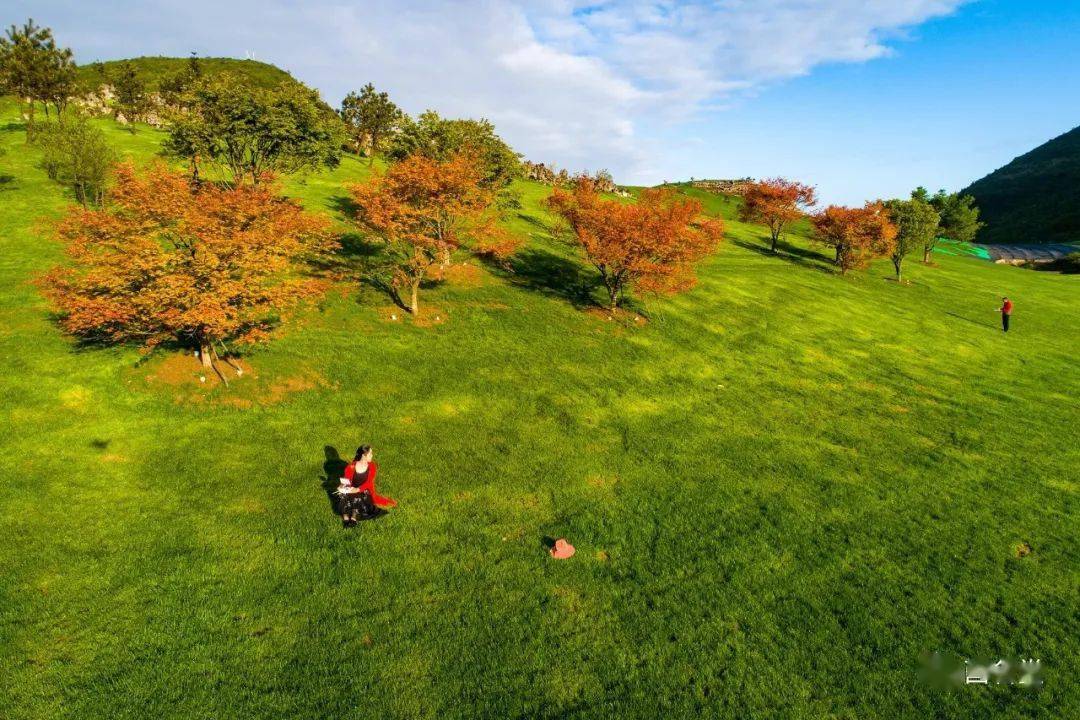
(358, 496)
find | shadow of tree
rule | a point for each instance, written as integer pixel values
(535, 221)
(792, 254)
(7, 182)
(354, 257)
(551, 274)
(355, 245)
(344, 206)
(384, 286)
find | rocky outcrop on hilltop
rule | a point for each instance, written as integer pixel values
(549, 175)
(724, 187)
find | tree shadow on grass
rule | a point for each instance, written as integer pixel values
(344, 206)
(382, 285)
(906, 282)
(7, 182)
(535, 222)
(792, 254)
(552, 275)
(353, 257)
(354, 245)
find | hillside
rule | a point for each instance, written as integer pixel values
(153, 69)
(1035, 198)
(785, 487)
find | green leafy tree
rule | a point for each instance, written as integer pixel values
(916, 223)
(959, 219)
(173, 89)
(36, 70)
(370, 117)
(440, 139)
(130, 93)
(251, 132)
(58, 83)
(76, 155)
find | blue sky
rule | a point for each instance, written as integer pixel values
(863, 98)
(959, 98)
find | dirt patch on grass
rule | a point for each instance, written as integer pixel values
(602, 481)
(618, 315)
(184, 378)
(179, 369)
(1022, 549)
(294, 384)
(463, 274)
(75, 398)
(429, 316)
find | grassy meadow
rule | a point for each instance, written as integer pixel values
(784, 486)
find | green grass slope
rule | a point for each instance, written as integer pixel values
(153, 70)
(783, 489)
(1035, 198)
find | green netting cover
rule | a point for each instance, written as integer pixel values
(952, 247)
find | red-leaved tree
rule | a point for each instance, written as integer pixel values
(858, 235)
(776, 203)
(423, 210)
(163, 261)
(651, 244)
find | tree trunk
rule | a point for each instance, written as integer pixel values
(613, 297)
(926, 255)
(414, 306)
(775, 239)
(837, 260)
(30, 121)
(897, 262)
(204, 356)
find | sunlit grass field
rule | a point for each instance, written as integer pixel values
(784, 487)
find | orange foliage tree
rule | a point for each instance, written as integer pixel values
(164, 261)
(857, 234)
(776, 203)
(424, 209)
(651, 244)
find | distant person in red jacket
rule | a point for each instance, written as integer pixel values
(1006, 311)
(357, 489)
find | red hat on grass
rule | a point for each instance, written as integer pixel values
(562, 550)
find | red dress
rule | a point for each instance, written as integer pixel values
(366, 481)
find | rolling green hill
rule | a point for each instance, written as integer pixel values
(785, 488)
(1035, 198)
(153, 69)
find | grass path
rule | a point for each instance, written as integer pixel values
(783, 488)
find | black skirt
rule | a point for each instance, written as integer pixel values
(359, 504)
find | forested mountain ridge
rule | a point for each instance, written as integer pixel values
(1035, 198)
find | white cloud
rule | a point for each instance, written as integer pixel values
(564, 81)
